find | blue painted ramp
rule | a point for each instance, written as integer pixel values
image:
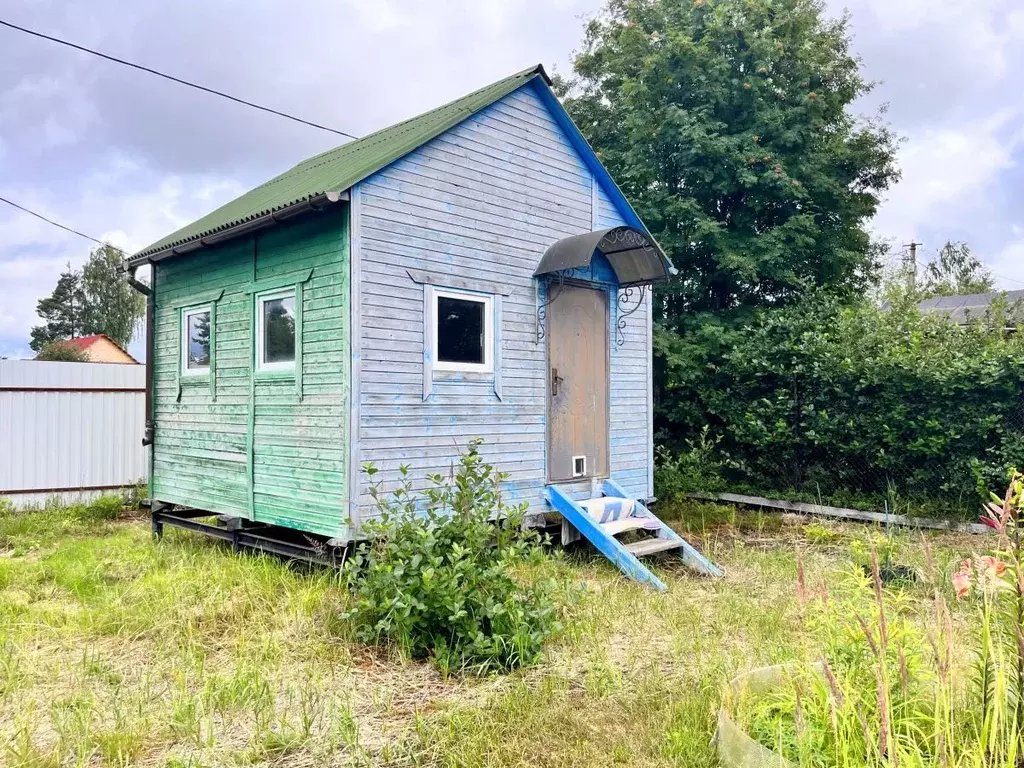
(601, 532)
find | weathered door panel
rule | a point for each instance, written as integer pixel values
(577, 322)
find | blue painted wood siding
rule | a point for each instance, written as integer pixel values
(632, 448)
(481, 202)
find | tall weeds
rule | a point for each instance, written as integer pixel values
(903, 686)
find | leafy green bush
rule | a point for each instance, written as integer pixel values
(816, 533)
(698, 468)
(833, 401)
(437, 576)
(874, 543)
(109, 506)
(62, 352)
(106, 507)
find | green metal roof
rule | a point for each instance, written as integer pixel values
(339, 169)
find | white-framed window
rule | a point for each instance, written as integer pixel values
(463, 331)
(196, 339)
(275, 330)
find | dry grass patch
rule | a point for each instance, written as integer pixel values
(117, 650)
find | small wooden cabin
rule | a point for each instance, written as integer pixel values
(473, 271)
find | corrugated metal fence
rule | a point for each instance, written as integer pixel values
(70, 429)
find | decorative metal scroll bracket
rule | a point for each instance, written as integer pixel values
(625, 310)
(547, 293)
(627, 240)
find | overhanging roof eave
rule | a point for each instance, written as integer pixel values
(238, 228)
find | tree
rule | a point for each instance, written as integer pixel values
(956, 271)
(112, 306)
(62, 352)
(96, 299)
(199, 346)
(727, 124)
(63, 311)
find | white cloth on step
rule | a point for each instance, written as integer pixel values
(607, 508)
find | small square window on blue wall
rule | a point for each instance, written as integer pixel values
(463, 331)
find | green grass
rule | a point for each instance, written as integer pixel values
(118, 650)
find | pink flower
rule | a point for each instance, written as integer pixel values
(989, 565)
(962, 579)
(990, 574)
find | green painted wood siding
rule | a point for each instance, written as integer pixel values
(269, 447)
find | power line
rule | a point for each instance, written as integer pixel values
(59, 225)
(1011, 279)
(174, 79)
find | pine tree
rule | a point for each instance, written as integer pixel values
(95, 299)
(63, 311)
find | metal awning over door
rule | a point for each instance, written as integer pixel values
(634, 256)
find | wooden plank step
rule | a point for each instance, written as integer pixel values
(607, 545)
(687, 553)
(615, 527)
(650, 546)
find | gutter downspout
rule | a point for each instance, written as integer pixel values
(149, 291)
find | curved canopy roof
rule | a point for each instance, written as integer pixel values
(634, 256)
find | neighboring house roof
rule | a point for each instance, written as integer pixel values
(969, 306)
(84, 342)
(87, 344)
(339, 169)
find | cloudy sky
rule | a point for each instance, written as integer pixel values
(128, 157)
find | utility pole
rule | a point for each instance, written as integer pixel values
(910, 262)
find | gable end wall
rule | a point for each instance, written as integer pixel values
(481, 202)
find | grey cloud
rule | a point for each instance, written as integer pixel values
(316, 60)
(107, 149)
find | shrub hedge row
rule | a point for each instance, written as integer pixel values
(851, 404)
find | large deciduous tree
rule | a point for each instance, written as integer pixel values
(113, 306)
(728, 124)
(96, 299)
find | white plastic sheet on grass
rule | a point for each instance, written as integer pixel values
(735, 747)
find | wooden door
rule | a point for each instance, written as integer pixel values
(577, 322)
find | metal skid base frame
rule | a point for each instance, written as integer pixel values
(243, 534)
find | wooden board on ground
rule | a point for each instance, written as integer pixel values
(821, 510)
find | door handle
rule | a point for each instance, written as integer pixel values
(555, 381)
